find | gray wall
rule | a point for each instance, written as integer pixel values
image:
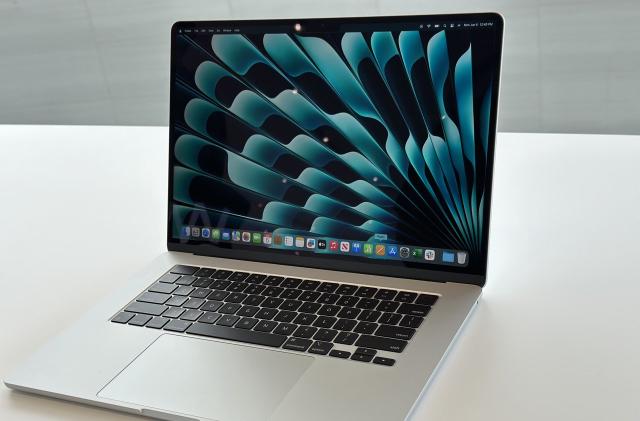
(569, 65)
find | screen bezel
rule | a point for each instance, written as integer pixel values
(333, 263)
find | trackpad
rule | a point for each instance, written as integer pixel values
(208, 379)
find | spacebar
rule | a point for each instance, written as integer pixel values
(240, 335)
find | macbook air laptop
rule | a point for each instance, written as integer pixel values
(328, 219)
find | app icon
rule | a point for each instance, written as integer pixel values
(185, 231)
(215, 234)
(206, 232)
(447, 256)
(429, 255)
(345, 246)
(380, 249)
(235, 235)
(288, 240)
(266, 238)
(368, 248)
(195, 231)
(256, 237)
(356, 247)
(462, 257)
(299, 241)
(392, 250)
(226, 234)
(404, 252)
(416, 253)
(333, 245)
(311, 243)
(322, 244)
(246, 236)
(277, 239)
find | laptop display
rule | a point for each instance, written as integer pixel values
(364, 142)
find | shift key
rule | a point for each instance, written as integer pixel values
(382, 344)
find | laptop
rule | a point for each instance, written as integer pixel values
(328, 219)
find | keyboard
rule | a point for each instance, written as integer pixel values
(304, 315)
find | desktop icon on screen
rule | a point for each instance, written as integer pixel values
(235, 235)
(311, 243)
(195, 231)
(392, 251)
(266, 238)
(380, 249)
(215, 234)
(356, 247)
(404, 252)
(288, 240)
(226, 234)
(447, 256)
(206, 232)
(333, 245)
(277, 239)
(322, 244)
(429, 255)
(246, 237)
(256, 238)
(416, 253)
(367, 248)
(345, 246)
(300, 242)
(185, 231)
(462, 257)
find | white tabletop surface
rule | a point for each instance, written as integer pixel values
(556, 335)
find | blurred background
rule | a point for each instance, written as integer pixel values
(569, 66)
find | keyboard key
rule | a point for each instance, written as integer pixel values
(219, 284)
(229, 308)
(396, 332)
(325, 322)
(321, 348)
(325, 335)
(305, 331)
(236, 297)
(146, 308)
(173, 312)
(366, 292)
(221, 274)
(345, 324)
(205, 272)
(218, 295)
(202, 283)
(237, 287)
(406, 297)
(227, 320)
(291, 294)
(310, 308)
(305, 319)
(309, 285)
(139, 320)
(255, 278)
(157, 322)
(285, 316)
(390, 318)
(209, 318)
(369, 315)
(347, 301)
(388, 306)
(253, 289)
(265, 326)
(346, 289)
(367, 303)
(184, 269)
(176, 300)
(346, 338)
(365, 327)
(366, 351)
(177, 325)
(297, 344)
(123, 317)
(362, 357)
(411, 321)
(385, 294)
(272, 302)
(426, 299)
(267, 313)
(248, 311)
(329, 310)
(309, 296)
(286, 329)
(211, 306)
(191, 315)
(327, 298)
(247, 323)
(291, 283)
(240, 335)
(200, 293)
(163, 288)
(339, 354)
(290, 305)
(272, 291)
(169, 278)
(153, 297)
(238, 276)
(413, 309)
(349, 313)
(186, 280)
(273, 280)
(184, 290)
(194, 303)
(327, 287)
(382, 344)
(384, 361)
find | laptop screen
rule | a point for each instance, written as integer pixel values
(361, 143)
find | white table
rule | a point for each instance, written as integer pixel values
(556, 334)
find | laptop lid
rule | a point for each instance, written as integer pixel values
(353, 144)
